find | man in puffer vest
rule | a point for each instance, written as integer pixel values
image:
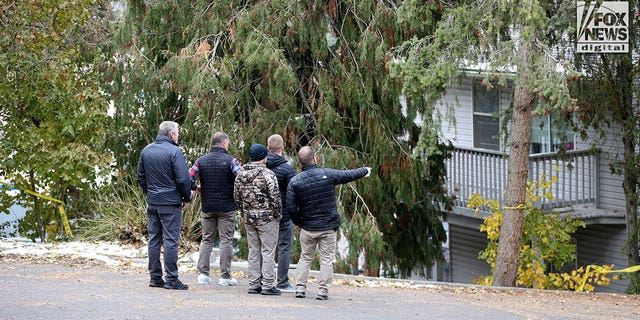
(217, 172)
(258, 198)
(311, 202)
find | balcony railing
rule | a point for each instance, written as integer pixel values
(472, 171)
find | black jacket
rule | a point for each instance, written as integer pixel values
(284, 172)
(311, 196)
(162, 173)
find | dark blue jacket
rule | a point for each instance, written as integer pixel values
(284, 172)
(162, 173)
(217, 172)
(311, 196)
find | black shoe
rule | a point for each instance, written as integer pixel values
(156, 283)
(254, 290)
(271, 292)
(177, 285)
(322, 297)
(299, 294)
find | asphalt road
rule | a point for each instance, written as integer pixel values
(75, 289)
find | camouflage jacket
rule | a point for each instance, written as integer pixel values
(257, 195)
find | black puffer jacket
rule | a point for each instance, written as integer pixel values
(162, 173)
(284, 172)
(311, 196)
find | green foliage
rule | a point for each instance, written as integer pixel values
(546, 244)
(120, 215)
(52, 110)
(315, 72)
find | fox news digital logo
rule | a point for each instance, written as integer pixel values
(603, 26)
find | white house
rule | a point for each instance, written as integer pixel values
(585, 185)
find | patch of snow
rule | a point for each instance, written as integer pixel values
(110, 253)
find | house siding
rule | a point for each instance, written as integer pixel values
(466, 244)
(457, 103)
(603, 245)
(611, 194)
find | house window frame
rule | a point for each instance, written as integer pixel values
(550, 143)
(479, 141)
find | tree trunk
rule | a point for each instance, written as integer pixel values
(629, 139)
(506, 270)
(40, 227)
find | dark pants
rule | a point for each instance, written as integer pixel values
(285, 243)
(165, 223)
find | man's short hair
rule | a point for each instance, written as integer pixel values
(305, 155)
(275, 142)
(167, 127)
(219, 138)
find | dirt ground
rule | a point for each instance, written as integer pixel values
(71, 287)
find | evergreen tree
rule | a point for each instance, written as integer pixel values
(316, 72)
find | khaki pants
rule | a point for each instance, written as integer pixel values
(262, 241)
(224, 223)
(325, 242)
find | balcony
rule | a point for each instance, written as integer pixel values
(484, 172)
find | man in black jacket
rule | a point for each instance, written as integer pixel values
(217, 172)
(284, 172)
(164, 177)
(311, 202)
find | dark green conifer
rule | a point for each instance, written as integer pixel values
(316, 72)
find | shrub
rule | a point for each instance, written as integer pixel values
(546, 244)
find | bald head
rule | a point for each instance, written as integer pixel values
(306, 155)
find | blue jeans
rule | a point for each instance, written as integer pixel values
(165, 224)
(285, 243)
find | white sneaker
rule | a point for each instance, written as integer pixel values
(204, 279)
(288, 288)
(228, 282)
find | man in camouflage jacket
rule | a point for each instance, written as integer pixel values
(258, 198)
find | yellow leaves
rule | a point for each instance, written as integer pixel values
(582, 279)
(545, 184)
(546, 241)
(483, 280)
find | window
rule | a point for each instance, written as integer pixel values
(486, 122)
(547, 135)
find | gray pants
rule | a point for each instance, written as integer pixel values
(325, 242)
(165, 223)
(285, 243)
(262, 242)
(225, 224)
